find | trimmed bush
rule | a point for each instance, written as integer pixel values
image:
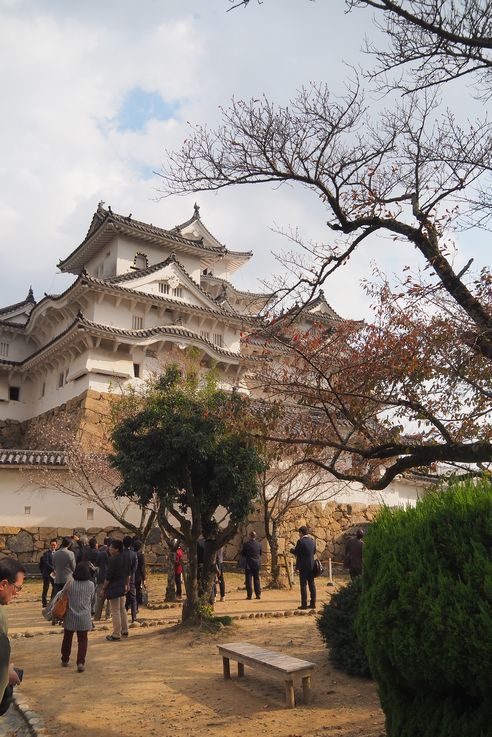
(425, 615)
(336, 626)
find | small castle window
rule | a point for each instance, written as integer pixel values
(43, 389)
(164, 287)
(136, 370)
(14, 393)
(205, 334)
(90, 512)
(4, 350)
(137, 322)
(61, 377)
(27, 510)
(140, 261)
(178, 292)
(218, 340)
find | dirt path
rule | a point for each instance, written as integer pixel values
(169, 683)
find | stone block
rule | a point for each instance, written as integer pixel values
(21, 543)
(64, 531)
(25, 557)
(48, 533)
(9, 530)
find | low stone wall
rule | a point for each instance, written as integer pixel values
(329, 523)
(26, 544)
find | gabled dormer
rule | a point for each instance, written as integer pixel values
(226, 261)
(19, 312)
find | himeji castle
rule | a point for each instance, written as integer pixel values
(141, 296)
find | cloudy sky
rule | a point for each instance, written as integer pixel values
(94, 92)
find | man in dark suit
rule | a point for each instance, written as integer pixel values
(304, 551)
(46, 568)
(251, 553)
(353, 554)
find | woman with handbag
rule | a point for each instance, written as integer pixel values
(80, 593)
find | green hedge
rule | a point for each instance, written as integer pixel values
(425, 615)
(336, 625)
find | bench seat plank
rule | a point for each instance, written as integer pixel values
(259, 656)
(281, 665)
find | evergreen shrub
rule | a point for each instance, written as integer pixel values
(425, 614)
(336, 624)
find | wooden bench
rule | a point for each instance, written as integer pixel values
(266, 660)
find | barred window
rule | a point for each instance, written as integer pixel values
(137, 322)
(163, 287)
(218, 340)
(4, 350)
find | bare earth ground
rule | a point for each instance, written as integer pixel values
(168, 682)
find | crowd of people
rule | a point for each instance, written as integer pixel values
(88, 576)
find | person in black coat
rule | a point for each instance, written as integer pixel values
(251, 552)
(304, 551)
(46, 568)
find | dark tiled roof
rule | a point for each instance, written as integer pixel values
(253, 295)
(159, 330)
(217, 311)
(27, 301)
(16, 325)
(32, 457)
(128, 224)
(137, 273)
(321, 300)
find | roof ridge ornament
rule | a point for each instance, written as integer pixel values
(196, 211)
(30, 295)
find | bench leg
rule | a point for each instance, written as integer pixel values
(306, 689)
(289, 694)
(226, 666)
(240, 670)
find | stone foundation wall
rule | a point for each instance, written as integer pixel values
(11, 434)
(85, 416)
(329, 523)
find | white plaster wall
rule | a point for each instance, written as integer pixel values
(20, 347)
(400, 493)
(49, 508)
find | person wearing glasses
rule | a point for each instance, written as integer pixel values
(11, 582)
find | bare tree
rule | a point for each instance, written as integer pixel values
(286, 484)
(431, 42)
(405, 178)
(88, 477)
(412, 175)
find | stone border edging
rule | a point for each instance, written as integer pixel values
(276, 614)
(33, 720)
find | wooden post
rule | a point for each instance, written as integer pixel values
(240, 670)
(289, 694)
(330, 573)
(226, 666)
(306, 689)
(287, 568)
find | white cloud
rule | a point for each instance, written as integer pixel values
(65, 69)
